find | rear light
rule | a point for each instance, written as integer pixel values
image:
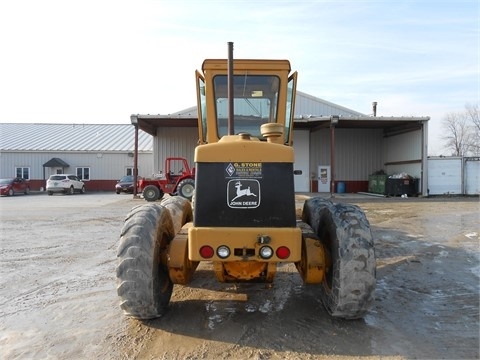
(266, 252)
(283, 252)
(223, 252)
(206, 252)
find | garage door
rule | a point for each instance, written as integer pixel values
(472, 176)
(444, 176)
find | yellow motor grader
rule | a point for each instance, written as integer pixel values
(243, 219)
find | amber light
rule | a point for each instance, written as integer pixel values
(206, 252)
(283, 252)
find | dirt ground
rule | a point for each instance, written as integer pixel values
(58, 293)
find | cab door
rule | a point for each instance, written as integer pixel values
(201, 108)
(290, 109)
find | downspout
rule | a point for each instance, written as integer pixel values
(424, 166)
(134, 120)
(332, 160)
(333, 122)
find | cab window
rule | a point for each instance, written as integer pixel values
(255, 102)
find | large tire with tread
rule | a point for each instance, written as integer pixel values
(349, 284)
(180, 211)
(152, 193)
(185, 188)
(143, 283)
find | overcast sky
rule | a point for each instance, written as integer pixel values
(101, 61)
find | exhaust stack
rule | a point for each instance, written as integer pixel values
(231, 129)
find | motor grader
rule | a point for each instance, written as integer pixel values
(244, 218)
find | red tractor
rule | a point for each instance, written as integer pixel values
(178, 179)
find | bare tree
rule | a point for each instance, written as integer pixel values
(473, 113)
(462, 131)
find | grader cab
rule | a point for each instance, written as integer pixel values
(244, 219)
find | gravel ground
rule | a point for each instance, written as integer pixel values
(58, 292)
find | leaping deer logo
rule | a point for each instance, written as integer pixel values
(242, 192)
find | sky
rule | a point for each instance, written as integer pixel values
(101, 61)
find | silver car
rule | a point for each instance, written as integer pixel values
(65, 183)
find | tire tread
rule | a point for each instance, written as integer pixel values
(354, 274)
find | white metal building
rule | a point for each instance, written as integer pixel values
(99, 154)
(362, 145)
(453, 175)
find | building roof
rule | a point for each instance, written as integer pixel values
(308, 105)
(72, 137)
(305, 104)
(310, 113)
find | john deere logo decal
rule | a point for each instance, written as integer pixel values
(243, 194)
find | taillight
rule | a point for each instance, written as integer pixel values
(206, 252)
(283, 252)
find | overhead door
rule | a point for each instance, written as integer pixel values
(444, 176)
(472, 176)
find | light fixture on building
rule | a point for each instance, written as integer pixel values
(334, 120)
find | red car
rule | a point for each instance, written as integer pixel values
(10, 187)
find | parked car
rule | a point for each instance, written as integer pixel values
(12, 186)
(65, 183)
(125, 184)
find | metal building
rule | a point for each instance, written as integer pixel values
(327, 137)
(99, 154)
(453, 175)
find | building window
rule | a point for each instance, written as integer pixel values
(83, 173)
(129, 171)
(22, 172)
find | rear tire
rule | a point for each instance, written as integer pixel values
(152, 193)
(349, 284)
(27, 191)
(185, 188)
(143, 283)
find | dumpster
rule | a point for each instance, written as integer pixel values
(400, 186)
(376, 183)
